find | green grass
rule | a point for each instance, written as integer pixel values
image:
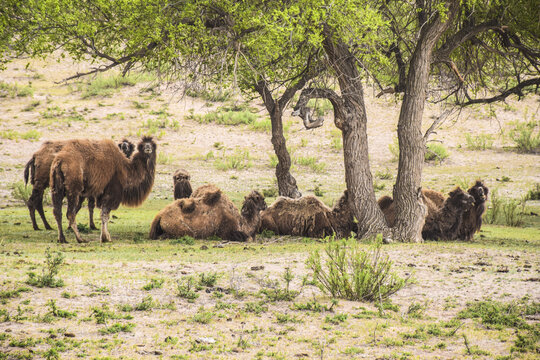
(479, 142)
(32, 135)
(8, 90)
(105, 85)
(238, 160)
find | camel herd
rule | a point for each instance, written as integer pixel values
(109, 174)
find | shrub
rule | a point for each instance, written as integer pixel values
(499, 315)
(208, 279)
(56, 312)
(116, 328)
(220, 95)
(526, 136)
(184, 240)
(186, 289)
(154, 284)
(261, 125)
(435, 152)
(239, 160)
(228, 116)
(351, 273)
(310, 161)
(513, 211)
(48, 273)
(534, 193)
(20, 191)
(479, 142)
(15, 90)
(493, 212)
(105, 85)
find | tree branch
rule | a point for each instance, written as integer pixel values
(514, 90)
(301, 109)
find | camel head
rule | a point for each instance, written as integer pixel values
(181, 175)
(147, 146)
(127, 147)
(460, 199)
(253, 204)
(479, 192)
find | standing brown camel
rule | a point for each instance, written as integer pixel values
(98, 168)
(309, 216)
(39, 169)
(182, 186)
(209, 212)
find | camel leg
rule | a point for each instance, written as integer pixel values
(57, 197)
(105, 236)
(91, 206)
(32, 200)
(39, 207)
(71, 213)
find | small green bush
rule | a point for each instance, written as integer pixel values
(186, 289)
(20, 191)
(435, 152)
(219, 95)
(15, 90)
(154, 284)
(184, 240)
(351, 273)
(534, 193)
(479, 142)
(500, 315)
(239, 160)
(208, 279)
(495, 209)
(526, 136)
(116, 328)
(49, 271)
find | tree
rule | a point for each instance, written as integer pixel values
(427, 49)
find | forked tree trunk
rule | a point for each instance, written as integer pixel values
(286, 182)
(350, 117)
(411, 140)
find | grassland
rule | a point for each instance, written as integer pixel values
(136, 298)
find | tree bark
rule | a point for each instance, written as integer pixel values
(286, 182)
(350, 117)
(409, 209)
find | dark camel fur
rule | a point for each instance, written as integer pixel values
(472, 218)
(309, 216)
(182, 186)
(39, 169)
(446, 222)
(97, 168)
(209, 212)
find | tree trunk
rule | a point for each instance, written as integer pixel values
(286, 182)
(409, 209)
(350, 117)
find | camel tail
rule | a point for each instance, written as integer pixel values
(385, 202)
(29, 169)
(155, 229)
(57, 179)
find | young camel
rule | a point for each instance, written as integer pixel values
(38, 168)
(182, 186)
(97, 168)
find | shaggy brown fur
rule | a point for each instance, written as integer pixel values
(472, 218)
(308, 216)
(97, 168)
(209, 212)
(182, 186)
(445, 223)
(386, 203)
(39, 168)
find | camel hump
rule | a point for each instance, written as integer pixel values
(187, 205)
(212, 197)
(385, 202)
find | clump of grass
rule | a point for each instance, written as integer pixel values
(239, 160)
(15, 90)
(219, 95)
(336, 139)
(498, 315)
(314, 306)
(336, 319)
(311, 162)
(208, 279)
(435, 152)
(495, 209)
(348, 272)
(534, 193)
(116, 328)
(154, 284)
(186, 289)
(479, 142)
(184, 240)
(256, 307)
(164, 159)
(261, 125)
(526, 136)
(513, 211)
(273, 161)
(276, 293)
(34, 104)
(270, 192)
(147, 303)
(103, 85)
(384, 175)
(104, 313)
(20, 191)
(56, 312)
(9, 294)
(202, 316)
(53, 262)
(287, 318)
(16, 135)
(228, 115)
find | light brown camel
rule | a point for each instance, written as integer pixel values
(309, 216)
(38, 168)
(209, 212)
(97, 168)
